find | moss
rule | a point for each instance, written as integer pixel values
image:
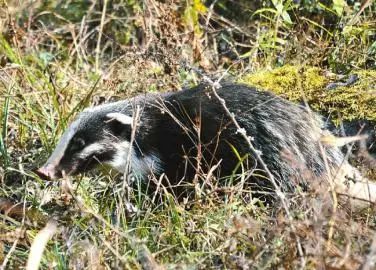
(285, 81)
(357, 101)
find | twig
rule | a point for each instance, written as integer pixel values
(98, 48)
(215, 85)
(39, 244)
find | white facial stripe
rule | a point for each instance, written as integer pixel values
(119, 161)
(92, 148)
(139, 166)
(122, 118)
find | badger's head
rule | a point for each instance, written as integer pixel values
(98, 135)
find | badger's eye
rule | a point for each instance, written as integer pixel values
(77, 144)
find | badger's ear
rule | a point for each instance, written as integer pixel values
(120, 125)
(120, 117)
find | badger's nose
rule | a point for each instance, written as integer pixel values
(47, 172)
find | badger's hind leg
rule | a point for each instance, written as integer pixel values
(351, 186)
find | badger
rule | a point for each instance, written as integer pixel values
(180, 135)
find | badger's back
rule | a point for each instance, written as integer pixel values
(190, 129)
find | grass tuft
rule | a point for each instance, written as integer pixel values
(58, 57)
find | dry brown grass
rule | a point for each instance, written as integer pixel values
(55, 60)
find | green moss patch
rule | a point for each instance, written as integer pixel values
(357, 101)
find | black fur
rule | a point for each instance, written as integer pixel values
(276, 125)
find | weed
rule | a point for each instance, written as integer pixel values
(57, 57)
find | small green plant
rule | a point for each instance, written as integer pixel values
(276, 22)
(48, 75)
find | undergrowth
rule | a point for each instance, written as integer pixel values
(57, 57)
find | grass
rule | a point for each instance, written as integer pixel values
(50, 69)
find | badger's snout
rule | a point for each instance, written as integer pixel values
(48, 172)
